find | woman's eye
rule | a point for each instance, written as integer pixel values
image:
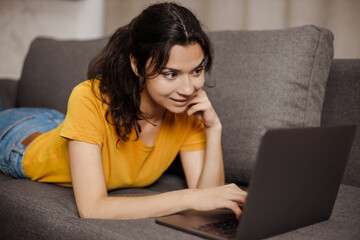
(198, 71)
(170, 75)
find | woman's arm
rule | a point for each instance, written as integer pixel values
(205, 168)
(92, 199)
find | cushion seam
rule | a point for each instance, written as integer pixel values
(311, 78)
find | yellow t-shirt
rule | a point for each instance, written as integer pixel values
(130, 164)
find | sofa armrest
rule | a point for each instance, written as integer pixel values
(8, 93)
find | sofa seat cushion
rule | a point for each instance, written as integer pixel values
(33, 210)
(168, 182)
(266, 79)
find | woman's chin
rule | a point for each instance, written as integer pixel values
(178, 110)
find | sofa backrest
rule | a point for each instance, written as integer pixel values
(342, 106)
(262, 73)
(52, 68)
(264, 80)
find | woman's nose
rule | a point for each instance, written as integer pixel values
(186, 87)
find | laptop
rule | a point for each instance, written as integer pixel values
(294, 183)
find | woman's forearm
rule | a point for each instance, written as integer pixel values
(139, 207)
(212, 174)
(227, 196)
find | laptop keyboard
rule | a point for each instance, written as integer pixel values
(223, 228)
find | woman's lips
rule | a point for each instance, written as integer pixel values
(181, 102)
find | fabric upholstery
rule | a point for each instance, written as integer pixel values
(52, 68)
(342, 106)
(266, 79)
(33, 210)
(8, 93)
(168, 182)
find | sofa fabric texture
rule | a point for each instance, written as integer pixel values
(263, 71)
(342, 106)
(266, 79)
(52, 70)
(8, 93)
(31, 210)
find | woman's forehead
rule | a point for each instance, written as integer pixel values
(181, 58)
(185, 58)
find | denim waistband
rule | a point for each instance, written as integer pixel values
(16, 125)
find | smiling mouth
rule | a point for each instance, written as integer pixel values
(181, 102)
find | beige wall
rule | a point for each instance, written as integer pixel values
(23, 20)
(342, 17)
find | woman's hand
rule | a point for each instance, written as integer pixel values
(228, 196)
(210, 170)
(201, 107)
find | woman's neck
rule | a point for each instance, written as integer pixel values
(153, 113)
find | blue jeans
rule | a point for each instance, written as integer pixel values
(16, 125)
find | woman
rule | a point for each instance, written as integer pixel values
(143, 105)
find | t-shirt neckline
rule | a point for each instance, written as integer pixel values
(147, 148)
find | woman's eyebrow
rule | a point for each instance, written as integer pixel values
(201, 64)
(177, 70)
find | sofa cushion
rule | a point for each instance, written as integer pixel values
(342, 106)
(266, 79)
(34, 210)
(52, 68)
(8, 91)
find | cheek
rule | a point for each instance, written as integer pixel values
(199, 82)
(160, 88)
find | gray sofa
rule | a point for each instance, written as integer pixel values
(260, 80)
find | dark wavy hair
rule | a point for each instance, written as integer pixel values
(152, 34)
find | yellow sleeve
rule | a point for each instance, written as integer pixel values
(84, 119)
(196, 139)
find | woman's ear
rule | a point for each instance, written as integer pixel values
(133, 63)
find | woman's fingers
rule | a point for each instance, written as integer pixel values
(199, 99)
(227, 196)
(238, 197)
(201, 106)
(233, 206)
(233, 185)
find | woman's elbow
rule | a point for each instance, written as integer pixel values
(87, 213)
(90, 211)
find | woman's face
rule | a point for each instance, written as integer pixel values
(178, 81)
